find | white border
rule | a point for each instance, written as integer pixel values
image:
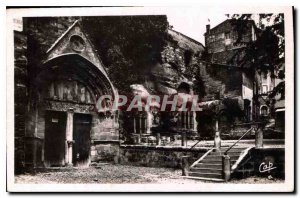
(287, 186)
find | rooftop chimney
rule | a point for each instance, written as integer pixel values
(207, 28)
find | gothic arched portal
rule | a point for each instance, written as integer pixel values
(63, 116)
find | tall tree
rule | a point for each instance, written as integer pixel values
(265, 54)
(128, 45)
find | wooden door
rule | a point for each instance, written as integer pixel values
(55, 135)
(81, 135)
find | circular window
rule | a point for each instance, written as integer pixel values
(77, 43)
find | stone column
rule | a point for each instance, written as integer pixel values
(188, 120)
(259, 138)
(69, 138)
(217, 140)
(36, 116)
(185, 165)
(184, 119)
(149, 120)
(140, 123)
(179, 120)
(183, 139)
(194, 121)
(158, 140)
(226, 167)
(134, 125)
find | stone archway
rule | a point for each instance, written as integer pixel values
(63, 96)
(67, 89)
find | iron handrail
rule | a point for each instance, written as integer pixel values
(194, 145)
(225, 153)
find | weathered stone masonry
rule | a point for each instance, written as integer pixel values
(21, 95)
(60, 91)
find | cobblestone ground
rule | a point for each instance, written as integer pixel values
(119, 174)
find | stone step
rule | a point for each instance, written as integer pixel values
(206, 170)
(216, 160)
(207, 175)
(210, 167)
(204, 178)
(206, 165)
(234, 149)
(229, 153)
(232, 157)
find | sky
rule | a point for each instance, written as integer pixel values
(192, 22)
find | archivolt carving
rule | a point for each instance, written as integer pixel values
(65, 106)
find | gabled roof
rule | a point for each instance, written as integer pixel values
(75, 43)
(61, 37)
(188, 42)
(64, 45)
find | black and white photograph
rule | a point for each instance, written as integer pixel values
(150, 99)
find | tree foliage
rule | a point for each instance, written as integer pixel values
(267, 52)
(127, 45)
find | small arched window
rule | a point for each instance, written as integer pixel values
(264, 111)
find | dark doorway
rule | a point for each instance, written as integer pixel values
(81, 135)
(55, 135)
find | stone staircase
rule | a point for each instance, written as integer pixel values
(210, 167)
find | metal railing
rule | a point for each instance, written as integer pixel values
(194, 145)
(225, 153)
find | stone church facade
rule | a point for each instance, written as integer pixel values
(58, 125)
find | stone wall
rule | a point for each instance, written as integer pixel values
(223, 36)
(105, 151)
(260, 161)
(158, 156)
(104, 139)
(21, 98)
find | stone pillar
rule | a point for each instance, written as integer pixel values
(34, 149)
(217, 140)
(226, 167)
(194, 121)
(138, 139)
(185, 165)
(140, 124)
(20, 99)
(188, 120)
(149, 120)
(158, 140)
(259, 138)
(179, 120)
(184, 119)
(69, 138)
(134, 125)
(183, 139)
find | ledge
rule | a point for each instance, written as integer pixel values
(171, 148)
(106, 141)
(270, 148)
